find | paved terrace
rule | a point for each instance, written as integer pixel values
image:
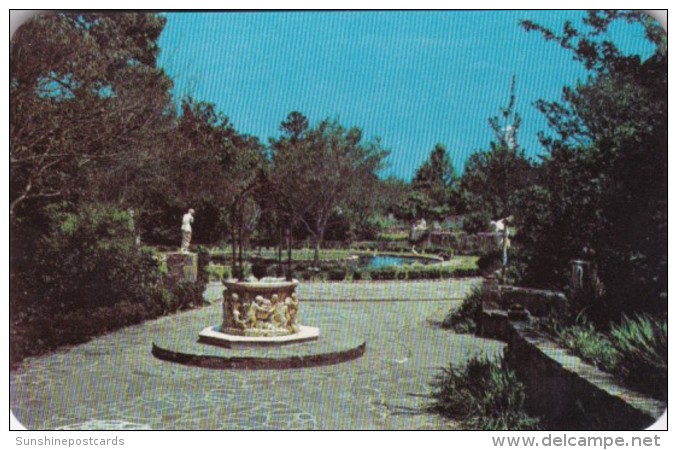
(114, 382)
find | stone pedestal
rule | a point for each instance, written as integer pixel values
(181, 267)
(214, 336)
(491, 298)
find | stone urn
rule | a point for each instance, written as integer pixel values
(262, 308)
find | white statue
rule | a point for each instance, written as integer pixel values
(186, 230)
(509, 134)
(502, 232)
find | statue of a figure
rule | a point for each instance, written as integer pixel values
(502, 231)
(237, 321)
(292, 304)
(259, 311)
(281, 316)
(509, 134)
(186, 230)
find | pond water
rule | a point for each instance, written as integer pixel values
(378, 261)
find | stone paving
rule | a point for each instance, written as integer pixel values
(450, 289)
(114, 382)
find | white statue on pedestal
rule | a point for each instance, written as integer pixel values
(186, 230)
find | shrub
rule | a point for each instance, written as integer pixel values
(99, 263)
(463, 319)
(642, 346)
(217, 272)
(419, 271)
(275, 270)
(394, 237)
(484, 395)
(336, 274)
(490, 261)
(402, 272)
(590, 344)
(203, 259)
(415, 271)
(476, 222)
(90, 277)
(383, 273)
(185, 295)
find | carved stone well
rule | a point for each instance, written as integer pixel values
(262, 312)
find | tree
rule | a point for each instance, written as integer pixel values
(606, 175)
(319, 170)
(394, 194)
(436, 182)
(85, 91)
(224, 169)
(491, 178)
(187, 171)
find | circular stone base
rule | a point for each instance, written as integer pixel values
(336, 343)
(214, 336)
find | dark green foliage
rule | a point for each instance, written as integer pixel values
(88, 105)
(434, 187)
(89, 277)
(492, 178)
(642, 347)
(490, 261)
(477, 221)
(185, 295)
(338, 274)
(321, 174)
(47, 330)
(203, 260)
(635, 350)
(383, 273)
(604, 185)
(421, 272)
(484, 395)
(464, 318)
(99, 263)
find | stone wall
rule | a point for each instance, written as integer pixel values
(564, 391)
(572, 394)
(539, 302)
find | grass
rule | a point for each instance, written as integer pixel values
(483, 395)
(397, 236)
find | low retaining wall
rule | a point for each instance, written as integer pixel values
(538, 302)
(564, 391)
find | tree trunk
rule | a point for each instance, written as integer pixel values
(233, 247)
(240, 239)
(279, 245)
(319, 237)
(289, 238)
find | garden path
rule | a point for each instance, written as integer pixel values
(449, 289)
(114, 382)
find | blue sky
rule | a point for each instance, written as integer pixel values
(412, 78)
